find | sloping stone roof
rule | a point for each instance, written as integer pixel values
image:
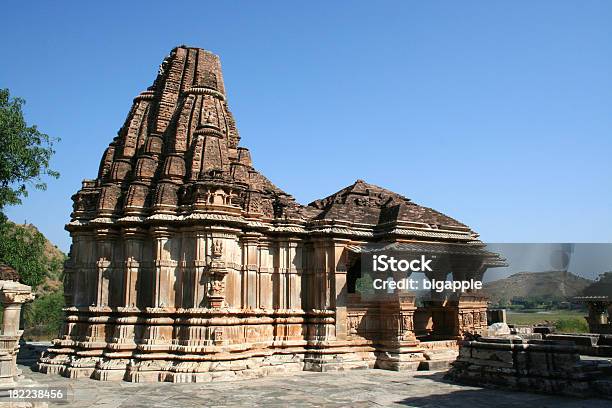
(369, 204)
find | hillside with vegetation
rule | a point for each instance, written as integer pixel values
(39, 264)
(546, 298)
(533, 288)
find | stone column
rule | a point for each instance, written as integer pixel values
(105, 240)
(340, 299)
(163, 279)
(470, 307)
(200, 265)
(186, 270)
(83, 253)
(69, 274)
(294, 274)
(133, 244)
(325, 291)
(12, 296)
(324, 258)
(280, 274)
(266, 267)
(250, 265)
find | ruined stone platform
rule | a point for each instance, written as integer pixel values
(358, 388)
(547, 366)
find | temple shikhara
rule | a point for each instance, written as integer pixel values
(188, 265)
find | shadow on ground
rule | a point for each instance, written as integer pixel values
(471, 397)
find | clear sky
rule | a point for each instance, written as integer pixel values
(498, 113)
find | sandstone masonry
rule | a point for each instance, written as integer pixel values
(187, 264)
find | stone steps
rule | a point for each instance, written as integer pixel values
(438, 359)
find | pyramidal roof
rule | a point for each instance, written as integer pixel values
(178, 141)
(370, 204)
(178, 153)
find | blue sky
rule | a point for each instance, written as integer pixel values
(496, 113)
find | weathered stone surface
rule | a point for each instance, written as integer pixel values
(498, 329)
(12, 296)
(356, 388)
(534, 365)
(187, 264)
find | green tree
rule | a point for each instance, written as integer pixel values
(24, 249)
(24, 152)
(44, 316)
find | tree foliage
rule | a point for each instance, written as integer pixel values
(23, 248)
(571, 325)
(44, 316)
(25, 152)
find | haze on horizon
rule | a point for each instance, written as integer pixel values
(497, 114)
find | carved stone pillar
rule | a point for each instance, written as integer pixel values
(280, 275)
(12, 296)
(340, 299)
(164, 267)
(324, 258)
(321, 325)
(84, 272)
(105, 241)
(68, 280)
(470, 307)
(217, 273)
(133, 247)
(294, 274)
(266, 267)
(250, 265)
(200, 264)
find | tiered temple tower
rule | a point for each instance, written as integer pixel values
(189, 265)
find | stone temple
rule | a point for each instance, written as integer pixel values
(189, 265)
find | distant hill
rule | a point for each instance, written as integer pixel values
(55, 260)
(53, 257)
(601, 287)
(557, 284)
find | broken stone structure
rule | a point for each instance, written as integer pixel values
(12, 295)
(187, 264)
(588, 344)
(548, 366)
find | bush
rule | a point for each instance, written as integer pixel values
(44, 316)
(572, 325)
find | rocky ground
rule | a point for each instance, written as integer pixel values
(350, 389)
